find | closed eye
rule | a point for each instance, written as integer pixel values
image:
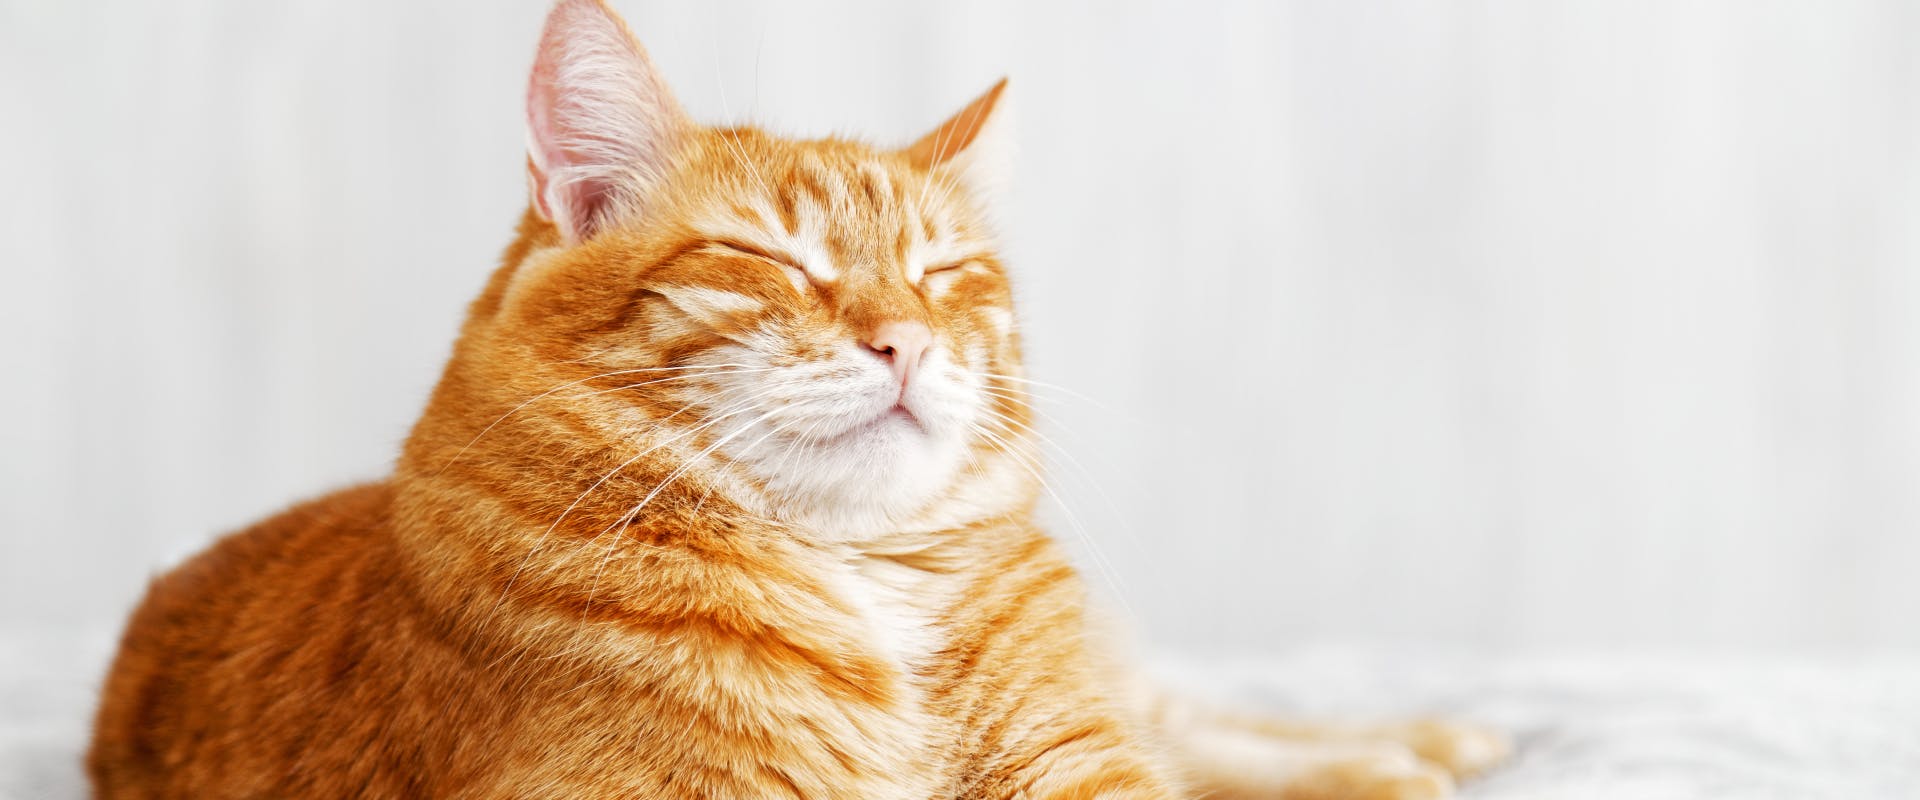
(798, 275)
(951, 265)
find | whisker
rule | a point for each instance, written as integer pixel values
(805, 436)
(1044, 385)
(634, 513)
(731, 409)
(541, 540)
(1028, 399)
(737, 406)
(733, 133)
(666, 380)
(1086, 475)
(531, 400)
(1101, 564)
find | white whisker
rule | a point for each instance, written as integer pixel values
(531, 400)
(1101, 564)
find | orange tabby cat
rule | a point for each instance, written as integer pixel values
(726, 492)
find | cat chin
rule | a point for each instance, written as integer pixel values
(862, 483)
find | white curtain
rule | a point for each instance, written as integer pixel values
(1512, 324)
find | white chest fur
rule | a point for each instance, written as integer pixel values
(898, 603)
(897, 607)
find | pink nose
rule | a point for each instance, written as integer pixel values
(901, 343)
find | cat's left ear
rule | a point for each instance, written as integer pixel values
(976, 144)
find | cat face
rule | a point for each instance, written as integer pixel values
(821, 330)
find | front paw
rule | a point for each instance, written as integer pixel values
(1464, 750)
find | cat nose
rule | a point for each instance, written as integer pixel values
(901, 343)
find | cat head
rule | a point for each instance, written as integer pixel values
(820, 331)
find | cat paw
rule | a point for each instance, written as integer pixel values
(1401, 777)
(1464, 750)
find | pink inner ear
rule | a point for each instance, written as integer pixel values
(538, 156)
(600, 123)
(564, 187)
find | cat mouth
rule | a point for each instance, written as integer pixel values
(897, 417)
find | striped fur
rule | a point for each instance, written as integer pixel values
(667, 528)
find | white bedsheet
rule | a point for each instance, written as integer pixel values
(1588, 728)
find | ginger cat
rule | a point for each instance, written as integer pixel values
(726, 492)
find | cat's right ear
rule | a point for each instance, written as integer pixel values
(601, 124)
(975, 144)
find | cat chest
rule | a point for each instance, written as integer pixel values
(895, 610)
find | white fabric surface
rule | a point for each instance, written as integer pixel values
(1628, 727)
(1599, 727)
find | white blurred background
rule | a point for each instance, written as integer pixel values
(1503, 325)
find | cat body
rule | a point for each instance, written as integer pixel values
(308, 657)
(726, 491)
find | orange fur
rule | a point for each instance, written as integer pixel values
(574, 584)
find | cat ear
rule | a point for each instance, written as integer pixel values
(601, 124)
(977, 143)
